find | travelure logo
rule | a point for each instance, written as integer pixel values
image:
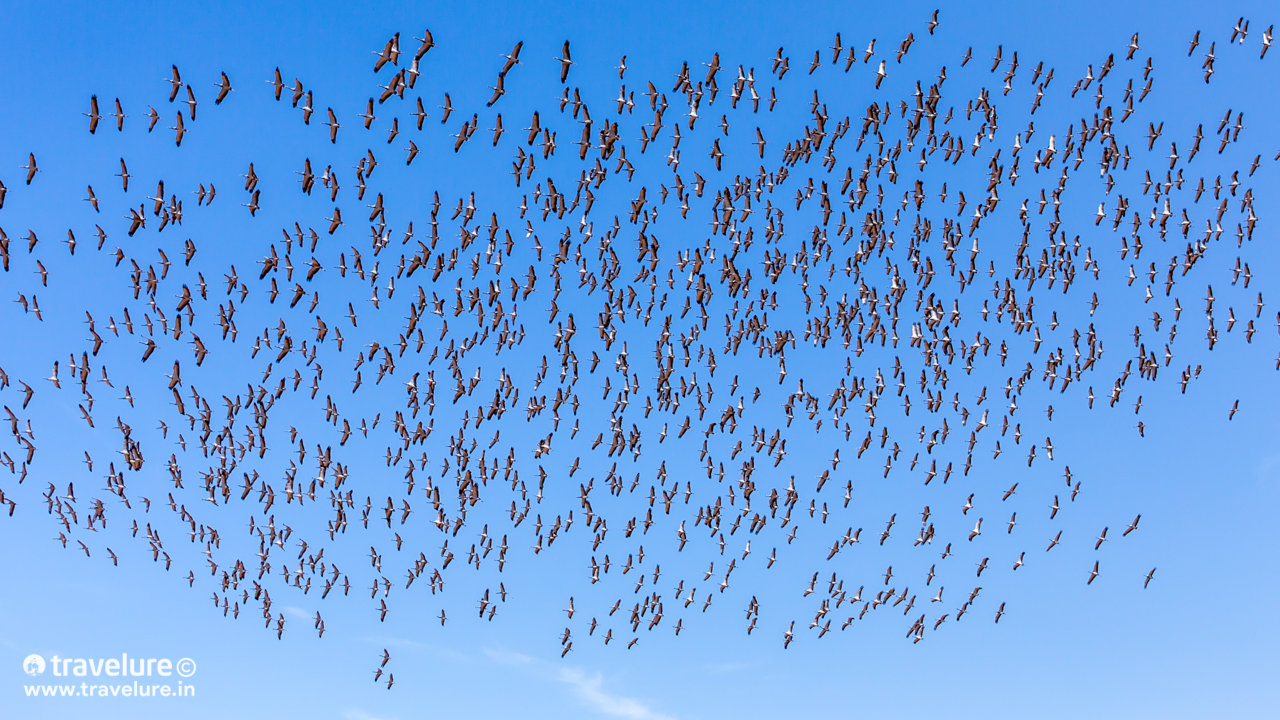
(33, 665)
(122, 666)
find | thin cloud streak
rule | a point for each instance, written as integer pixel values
(588, 690)
(357, 714)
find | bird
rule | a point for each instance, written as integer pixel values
(498, 90)
(1132, 526)
(333, 126)
(224, 88)
(30, 167)
(93, 115)
(175, 82)
(179, 130)
(565, 62)
(389, 53)
(977, 530)
(448, 109)
(513, 59)
(277, 83)
(191, 102)
(119, 116)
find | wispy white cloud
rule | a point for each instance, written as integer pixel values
(722, 668)
(507, 657)
(440, 651)
(588, 689)
(358, 714)
(393, 641)
(1269, 469)
(297, 612)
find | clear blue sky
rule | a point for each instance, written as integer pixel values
(1198, 640)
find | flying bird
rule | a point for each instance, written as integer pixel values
(224, 88)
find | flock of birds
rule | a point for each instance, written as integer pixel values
(796, 261)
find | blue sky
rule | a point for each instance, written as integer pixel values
(1197, 640)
